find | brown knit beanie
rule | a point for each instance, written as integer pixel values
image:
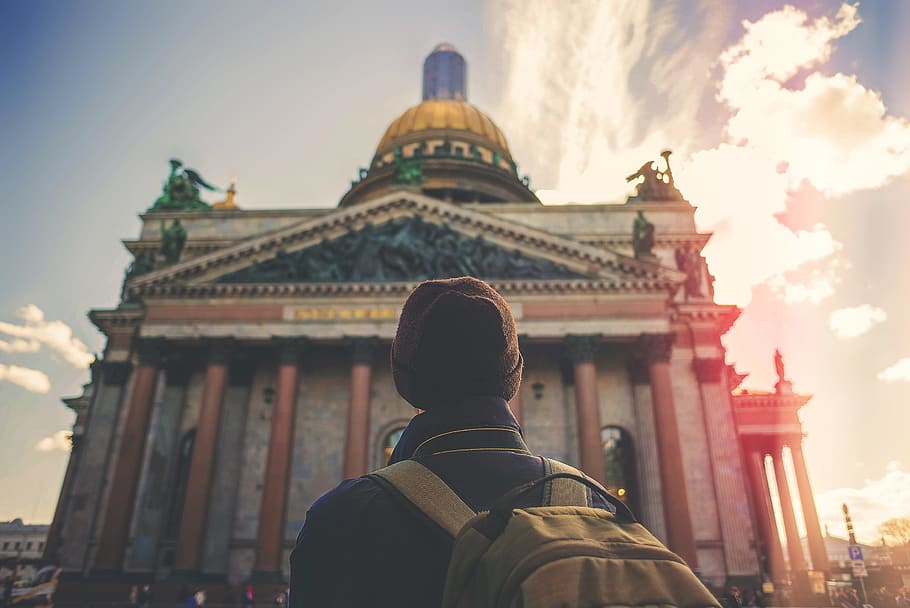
(456, 338)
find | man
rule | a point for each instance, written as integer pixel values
(456, 357)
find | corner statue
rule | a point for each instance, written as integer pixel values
(181, 190)
(656, 185)
(642, 235)
(782, 386)
(172, 241)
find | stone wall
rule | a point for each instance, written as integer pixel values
(94, 452)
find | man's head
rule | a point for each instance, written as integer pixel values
(456, 338)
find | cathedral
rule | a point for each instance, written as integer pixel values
(246, 367)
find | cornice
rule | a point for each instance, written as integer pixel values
(699, 239)
(721, 315)
(290, 238)
(531, 287)
(117, 320)
(747, 400)
(195, 247)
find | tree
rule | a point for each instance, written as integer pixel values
(896, 529)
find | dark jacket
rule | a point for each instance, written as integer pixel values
(360, 547)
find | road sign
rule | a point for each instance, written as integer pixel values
(859, 568)
(856, 553)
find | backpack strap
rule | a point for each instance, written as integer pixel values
(428, 493)
(564, 492)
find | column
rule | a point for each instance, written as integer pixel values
(651, 505)
(794, 548)
(357, 438)
(656, 349)
(125, 478)
(195, 505)
(764, 514)
(726, 465)
(810, 514)
(270, 535)
(590, 450)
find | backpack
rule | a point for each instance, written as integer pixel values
(565, 554)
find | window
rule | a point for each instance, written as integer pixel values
(40, 546)
(619, 465)
(28, 546)
(5, 546)
(391, 440)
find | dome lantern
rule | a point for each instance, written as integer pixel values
(443, 146)
(444, 74)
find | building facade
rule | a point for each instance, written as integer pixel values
(22, 547)
(246, 368)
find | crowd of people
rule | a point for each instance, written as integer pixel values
(880, 598)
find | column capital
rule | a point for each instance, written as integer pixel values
(150, 351)
(709, 370)
(638, 371)
(362, 348)
(115, 373)
(177, 369)
(582, 348)
(290, 349)
(655, 348)
(220, 350)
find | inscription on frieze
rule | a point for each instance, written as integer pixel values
(405, 249)
(340, 313)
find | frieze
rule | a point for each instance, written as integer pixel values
(339, 313)
(399, 250)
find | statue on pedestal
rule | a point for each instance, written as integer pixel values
(173, 239)
(642, 236)
(783, 385)
(689, 261)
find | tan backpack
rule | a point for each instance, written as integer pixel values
(562, 555)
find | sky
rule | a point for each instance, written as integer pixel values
(788, 125)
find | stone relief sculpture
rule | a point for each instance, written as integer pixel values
(406, 249)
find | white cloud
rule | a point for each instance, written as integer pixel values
(853, 322)
(831, 131)
(899, 372)
(36, 331)
(877, 501)
(574, 94)
(58, 441)
(590, 93)
(29, 379)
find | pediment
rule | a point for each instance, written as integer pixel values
(403, 238)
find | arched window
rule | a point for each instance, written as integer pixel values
(619, 465)
(389, 443)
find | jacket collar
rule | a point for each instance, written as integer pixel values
(472, 412)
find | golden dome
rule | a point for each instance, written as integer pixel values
(442, 115)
